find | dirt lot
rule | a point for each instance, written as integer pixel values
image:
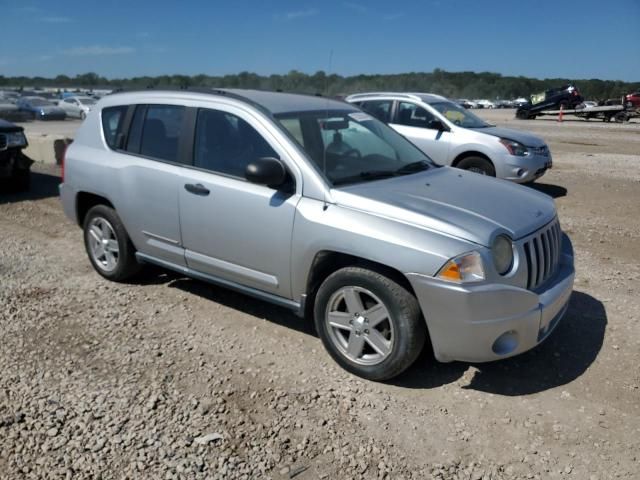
(102, 380)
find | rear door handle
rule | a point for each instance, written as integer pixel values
(197, 189)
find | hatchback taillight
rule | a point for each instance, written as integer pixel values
(64, 154)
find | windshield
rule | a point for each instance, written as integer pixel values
(352, 147)
(87, 101)
(39, 102)
(459, 115)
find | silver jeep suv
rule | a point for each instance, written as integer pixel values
(316, 206)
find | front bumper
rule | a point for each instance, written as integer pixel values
(524, 169)
(485, 322)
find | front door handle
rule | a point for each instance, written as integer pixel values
(197, 189)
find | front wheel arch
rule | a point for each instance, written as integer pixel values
(470, 153)
(327, 262)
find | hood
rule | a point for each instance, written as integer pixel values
(527, 139)
(455, 202)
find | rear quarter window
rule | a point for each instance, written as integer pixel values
(112, 122)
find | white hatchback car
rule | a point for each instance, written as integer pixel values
(77, 106)
(451, 135)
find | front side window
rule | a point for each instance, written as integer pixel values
(459, 115)
(112, 119)
(412, 115)
(351, 147)
(161, 131)
(381, 109)
(225, 143)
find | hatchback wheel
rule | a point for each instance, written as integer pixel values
(109, 248)
(477, 165)
(370, 324)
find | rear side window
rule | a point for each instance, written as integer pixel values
(112, 121)
(381, 109)
(161, 131)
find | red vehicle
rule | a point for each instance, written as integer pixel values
(633, 99)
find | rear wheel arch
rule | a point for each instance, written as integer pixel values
(85, 201)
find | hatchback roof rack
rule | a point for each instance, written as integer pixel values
(203, 90)
(412, 96)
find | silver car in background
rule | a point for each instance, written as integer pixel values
(452, 135)
(316, 206)
(77, 106)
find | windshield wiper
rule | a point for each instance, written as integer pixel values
(369, 175)
(407, 169)
(413, 167)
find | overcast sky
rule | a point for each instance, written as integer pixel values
(115, 38)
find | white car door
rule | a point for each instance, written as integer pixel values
(424, 130)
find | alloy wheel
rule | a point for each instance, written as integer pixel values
(103, 244)
(360, 325)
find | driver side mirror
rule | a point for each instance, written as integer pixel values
(266, 171)
(437, 125)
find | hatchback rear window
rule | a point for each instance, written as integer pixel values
(112, 120)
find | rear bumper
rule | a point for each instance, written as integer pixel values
(68, 200)
(489, 321)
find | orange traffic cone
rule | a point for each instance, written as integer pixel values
(560, 115)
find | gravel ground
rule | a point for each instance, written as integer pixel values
(168, 377)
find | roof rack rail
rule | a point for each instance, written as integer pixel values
(203, 90)
(412, 96)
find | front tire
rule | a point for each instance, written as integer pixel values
(108, 245)
(370, 325)
(477, 165)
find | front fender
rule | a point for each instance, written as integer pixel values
(407, 248)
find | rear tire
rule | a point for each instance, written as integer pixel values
(369, 324)
(477, 165)
(108, 245)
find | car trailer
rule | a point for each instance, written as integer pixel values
(619, 113)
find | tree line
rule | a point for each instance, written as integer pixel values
(450, 84)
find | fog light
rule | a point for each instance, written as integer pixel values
(521, 172)
(505, 343)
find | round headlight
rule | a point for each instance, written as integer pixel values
(502, 251)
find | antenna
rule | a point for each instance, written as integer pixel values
(326, 94)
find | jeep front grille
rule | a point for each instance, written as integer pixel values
(3, 142)
(542, 251)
